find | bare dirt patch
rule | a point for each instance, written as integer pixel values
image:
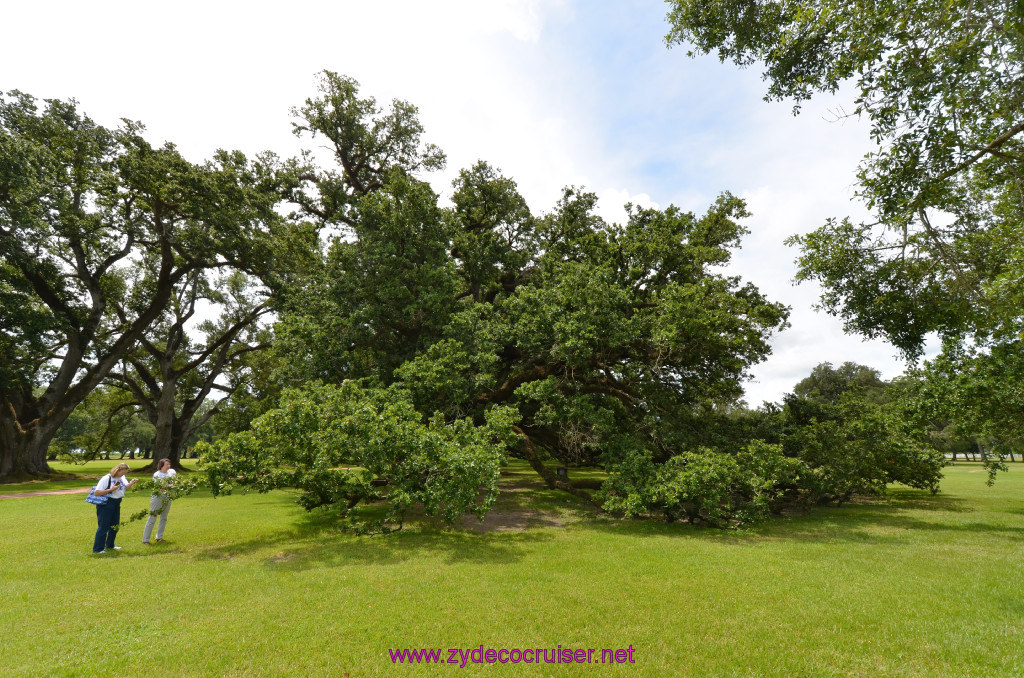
(504, 520)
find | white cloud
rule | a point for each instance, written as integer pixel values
(611, 204)
(809, 173)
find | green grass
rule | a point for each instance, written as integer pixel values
(913, 585)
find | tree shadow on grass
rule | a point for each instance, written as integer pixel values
(508, 532)
(880, 525)
(911, 499)
(891, 519)
(316, 541)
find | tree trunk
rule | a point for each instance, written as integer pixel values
(549, 476)
(23, 454)
(168, 441)
(171, 450)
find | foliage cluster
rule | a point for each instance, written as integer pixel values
(352, 448)
(181, 486)
(840, 433)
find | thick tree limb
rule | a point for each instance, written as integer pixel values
(546, 474)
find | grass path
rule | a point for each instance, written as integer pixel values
(912, 585)
(42, 493)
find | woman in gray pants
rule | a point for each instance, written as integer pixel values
(159, 502)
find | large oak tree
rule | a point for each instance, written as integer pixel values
(559, 338)
(608, 340)
(177, 366)
(84, 209)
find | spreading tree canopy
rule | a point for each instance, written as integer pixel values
(594, 343)
(418, 340)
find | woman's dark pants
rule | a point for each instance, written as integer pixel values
(108, 515)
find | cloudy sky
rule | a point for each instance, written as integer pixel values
(552, 92)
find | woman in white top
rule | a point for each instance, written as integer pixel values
(159, 502)
(108, 514)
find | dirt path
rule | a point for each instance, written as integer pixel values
(77, 490)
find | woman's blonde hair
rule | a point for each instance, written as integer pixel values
(119, 467)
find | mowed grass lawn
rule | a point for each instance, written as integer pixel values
(912, 585)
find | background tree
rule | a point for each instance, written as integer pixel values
(256, 381)
(857, 433)
(106, 422)
(827, 384)
(172, 374)
(80, 207)
(207, 432)
(975, 395)
(844, 431)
